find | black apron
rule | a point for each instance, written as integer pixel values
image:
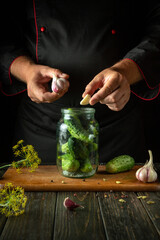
(80, 41)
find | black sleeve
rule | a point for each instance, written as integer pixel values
(11, 46)
(147, 53)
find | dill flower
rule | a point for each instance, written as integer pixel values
(12, 200)
(27, 155)
(20, 142)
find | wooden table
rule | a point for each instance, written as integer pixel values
(103, 217)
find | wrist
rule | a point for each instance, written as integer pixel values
(21, 68)
(129, 69)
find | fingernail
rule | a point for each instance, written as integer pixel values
(92, 102)
(64, 74)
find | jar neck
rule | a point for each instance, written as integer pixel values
(69, 113)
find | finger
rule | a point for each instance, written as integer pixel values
(63, 75)
(111, 85)
(113, 97)
(37, 94)
(52, 72)
(120, 104)
(52, 96)
(115, 107)
(49, 97)
(41, 94)
(35, 100)
(96, 83)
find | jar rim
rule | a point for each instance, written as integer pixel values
(78, 110)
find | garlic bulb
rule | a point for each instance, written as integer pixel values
(58, 84)
(147, 172)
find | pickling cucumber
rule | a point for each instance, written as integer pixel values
(121, 163)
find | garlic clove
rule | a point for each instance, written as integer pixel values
(58, 84)
(54, 84)
(141, 174)
(69, 204)
(152, 175)
(61, 83)
(54, 87)
(85, 100)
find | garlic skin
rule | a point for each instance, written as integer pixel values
(69, 204)
(58, 84)
(147, 172)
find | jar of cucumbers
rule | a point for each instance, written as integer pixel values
(77, 143)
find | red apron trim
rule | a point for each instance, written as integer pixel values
(141, 72)
(35, 19)
(146, 99)
(10, 79)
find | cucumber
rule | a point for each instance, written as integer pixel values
(121, 163)
(76, 130)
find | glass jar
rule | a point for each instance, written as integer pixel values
(77, 143)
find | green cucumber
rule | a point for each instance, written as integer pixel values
(121, 163)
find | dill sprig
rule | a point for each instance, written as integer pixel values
(27, 155)
(12, 200)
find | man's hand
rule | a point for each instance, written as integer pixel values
(113, 85)
(114, 89)
(37, 78)
(38, 84)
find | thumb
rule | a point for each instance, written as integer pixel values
(53, 73)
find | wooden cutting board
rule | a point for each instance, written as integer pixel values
(47, 178)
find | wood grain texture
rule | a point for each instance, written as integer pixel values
(47, 178)
(80, 224)
(102, 218)
(127, 220)
(153, 208)
(3, 220)
(36, 223)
